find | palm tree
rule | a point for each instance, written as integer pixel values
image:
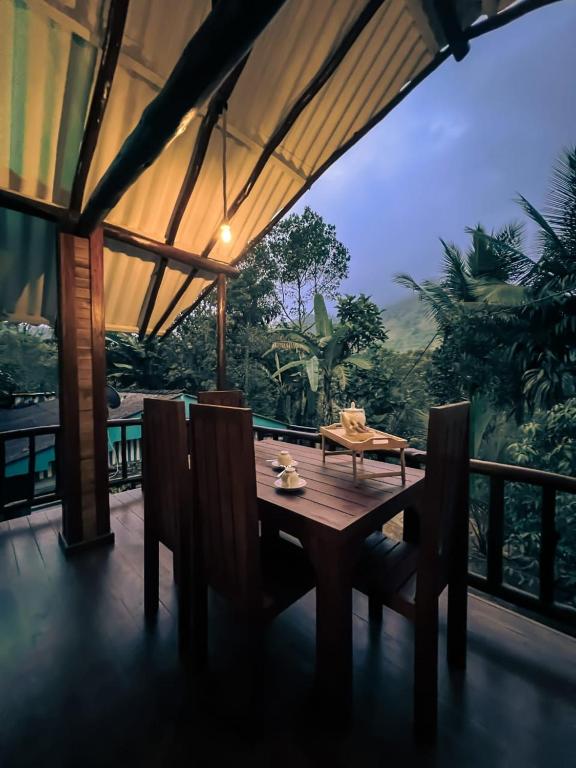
(492, 271)
(323, 357)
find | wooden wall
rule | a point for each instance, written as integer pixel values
(83, 409)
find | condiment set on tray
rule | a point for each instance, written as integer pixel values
(355, 438)
(288, 479)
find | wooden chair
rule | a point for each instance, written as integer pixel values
(410, 576)
(259, 576)
(234, 398)
(165, 482)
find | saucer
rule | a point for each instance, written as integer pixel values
(280, 487)
(276, 464)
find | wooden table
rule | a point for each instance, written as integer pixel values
(332, 517)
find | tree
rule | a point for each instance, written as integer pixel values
(363, 320)
(29, 358)
(308, 259)
(323, 354)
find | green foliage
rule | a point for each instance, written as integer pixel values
(547, 441)
(308, 259)
(363, 320)
(28, 359)
(327, 352)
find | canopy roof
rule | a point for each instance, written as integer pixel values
(315, 80)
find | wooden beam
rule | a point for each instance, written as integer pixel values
(220, 43)
(172, 305)
(221, 333)
(478, 29)
(152, 295)
(325, 72)
(217, 103)
(209, 266)
(16, 202)
(450, 23)
(505, 17)
(110, 51)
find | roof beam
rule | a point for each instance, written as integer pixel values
(223, 39)
(209, 121)
(314, 86)
(450, 24)
(151, 295)
(217, 104)
(193, 260)
(173, 304)
(13, 201)
(110, 51)
(495, 22)
(505, 17)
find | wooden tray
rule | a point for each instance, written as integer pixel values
(356, 446)
(375, 440)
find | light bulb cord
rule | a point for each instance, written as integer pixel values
(224, 132)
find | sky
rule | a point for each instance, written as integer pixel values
(455, 153)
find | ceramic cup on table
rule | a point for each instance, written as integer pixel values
(284, 458)
(290, 478)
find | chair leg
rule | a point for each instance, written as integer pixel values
(374, 610)
(426, 674)
(151, 576)
(457, 622)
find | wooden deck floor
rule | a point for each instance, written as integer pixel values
(82, 682)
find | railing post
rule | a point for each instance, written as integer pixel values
(2, 474)
(31, 468)
(548, 543)
(495, 533)
(124, 458)
(57, 447)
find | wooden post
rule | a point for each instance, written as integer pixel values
(221, 333)
(83, 411)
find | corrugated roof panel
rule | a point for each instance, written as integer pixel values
(126, 280)
(45, 82)
(190, 296)
(205, 208)
(27, 269)
(284, 59)
(48, 55)
(174, 277)
(157, 31)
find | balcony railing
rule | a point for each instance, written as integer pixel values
(22, 491)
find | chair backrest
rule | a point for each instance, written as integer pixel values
(165, 473)
(234, 398)
(444, 524)
(226, 535)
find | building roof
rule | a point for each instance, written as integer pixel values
(318, 77)
(47, 413)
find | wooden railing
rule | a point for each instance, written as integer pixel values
(493, 582)
(120, 475)
(20, 491)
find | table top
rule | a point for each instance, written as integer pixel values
(330, 498)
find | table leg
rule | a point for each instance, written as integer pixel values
(403, 466)
(333, 567)
(323, 450)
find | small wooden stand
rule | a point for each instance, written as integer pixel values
(357, 446)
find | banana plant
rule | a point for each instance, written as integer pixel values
(321, 355)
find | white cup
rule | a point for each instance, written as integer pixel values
(290, 478)
(284, 458)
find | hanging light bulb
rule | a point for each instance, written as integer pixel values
(225, 231)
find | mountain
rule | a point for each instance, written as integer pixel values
(408, 325)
